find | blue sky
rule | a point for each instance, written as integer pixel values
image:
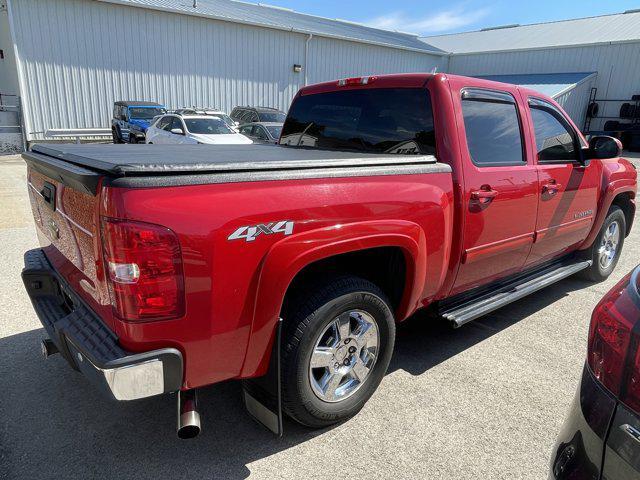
(442, 16)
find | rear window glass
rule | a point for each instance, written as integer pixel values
(493, 132)
(272, 117)
(145, 113)
(383, 120)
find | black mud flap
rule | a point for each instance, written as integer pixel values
(263, 395)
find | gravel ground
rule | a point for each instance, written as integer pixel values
(484, 401)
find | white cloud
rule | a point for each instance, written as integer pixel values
(438, 22)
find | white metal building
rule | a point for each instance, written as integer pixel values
(67, 61)
(608, 46)
(70, 59)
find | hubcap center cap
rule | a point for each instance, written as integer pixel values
(341, 353)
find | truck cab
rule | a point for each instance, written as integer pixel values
(132, 118)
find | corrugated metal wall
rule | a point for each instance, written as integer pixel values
(78, 56)
(617, 67)
(576, 100)
(329, 59)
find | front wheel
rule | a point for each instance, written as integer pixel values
(606, 248)
(115, 133)
(337, 346)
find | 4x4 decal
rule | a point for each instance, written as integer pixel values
(249, 233)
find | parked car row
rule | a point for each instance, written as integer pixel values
(150, 122)
(174, 128)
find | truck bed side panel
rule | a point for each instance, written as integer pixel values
(222, 274)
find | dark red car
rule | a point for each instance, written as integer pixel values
(601, 436)
(168, 268)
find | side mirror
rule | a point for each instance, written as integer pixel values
(602, 146)
(177, 131)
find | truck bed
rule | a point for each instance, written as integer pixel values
(82, 166)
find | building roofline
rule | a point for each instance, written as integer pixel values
(491, 28)
(551, 47)
(428, 50)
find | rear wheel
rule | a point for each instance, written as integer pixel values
(606, 249)
(132, 138)
(337, 344)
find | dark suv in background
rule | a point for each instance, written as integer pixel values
(601, 436)
(257, 114)
(131, 118)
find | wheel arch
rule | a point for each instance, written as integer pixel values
(291, 257)
(621, 193)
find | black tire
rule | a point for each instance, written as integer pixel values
(132, 138)
(598, 272)
(115, 133)
(305, 318)
(625, 110)
(611, 126)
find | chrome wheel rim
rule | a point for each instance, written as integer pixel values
(609, 245)
(344, 356)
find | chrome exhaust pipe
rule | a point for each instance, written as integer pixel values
(48, 348)
(188, 415)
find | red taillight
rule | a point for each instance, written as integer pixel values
(143, 265)
(355, 81)
(610, 339)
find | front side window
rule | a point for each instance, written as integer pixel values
(555, 139)
(376, 120)
(274, 131)
(168, 125)
(260, 133)
(177, 123)
(492, 128)
(163, 122)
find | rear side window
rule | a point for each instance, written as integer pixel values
(378, 120)
(555, 140)
(272, 117)
(492, 127)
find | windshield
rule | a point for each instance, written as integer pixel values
(274, 131)
(383, 120)
(146, 113)
(226, 119)
(272, 117)
(207, 126)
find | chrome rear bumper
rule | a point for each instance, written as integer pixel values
(89, 345)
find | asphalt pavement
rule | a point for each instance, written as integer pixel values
(485, 401)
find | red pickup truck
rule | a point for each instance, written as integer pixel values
(167, 268)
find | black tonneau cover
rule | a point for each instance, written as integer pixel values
(123, 160)
(83, 166)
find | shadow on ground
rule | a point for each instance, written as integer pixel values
(56, 426)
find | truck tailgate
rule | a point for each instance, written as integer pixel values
(67, 222)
